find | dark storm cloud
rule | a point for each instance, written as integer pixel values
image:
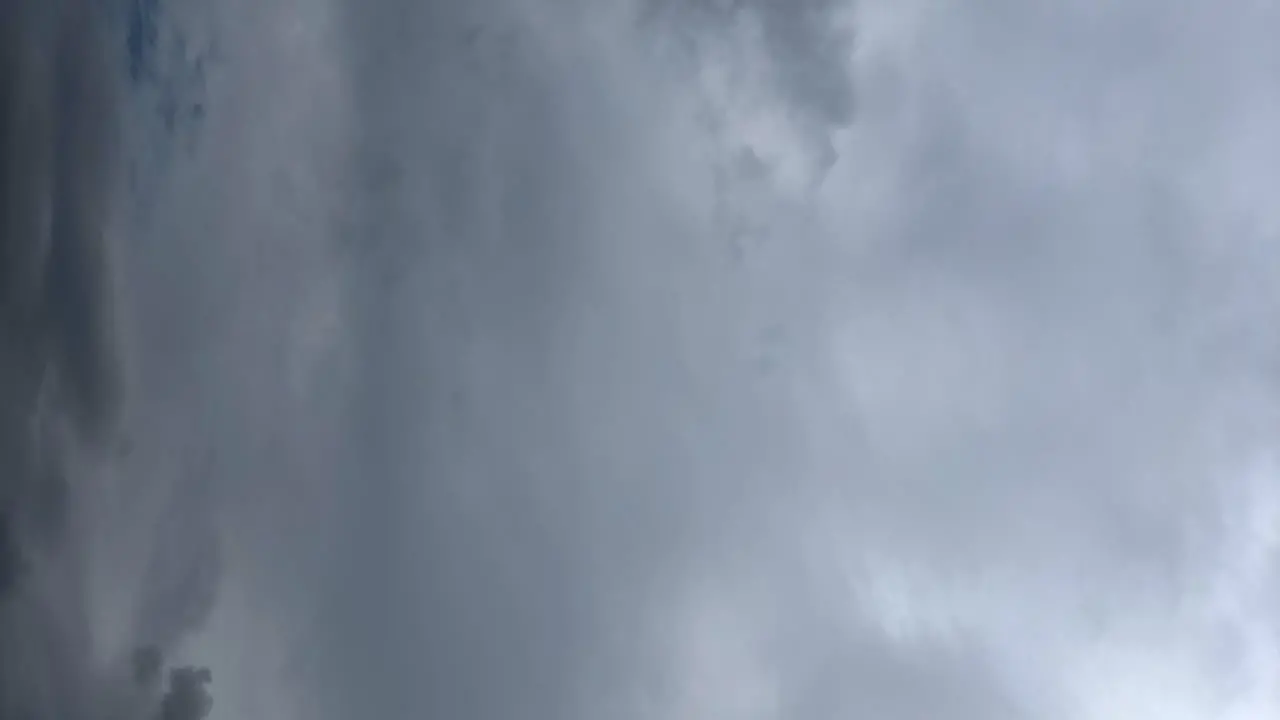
(60, 374)
(58, 158)
(56, 146)
(187, 698)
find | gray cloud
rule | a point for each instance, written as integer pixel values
(529, 391)
(62, 377)
(963, 419)
(56, 355)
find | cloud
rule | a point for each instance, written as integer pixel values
(582, 360)
(187, 698)
(61, 376)
(180, 584)
(774, 79)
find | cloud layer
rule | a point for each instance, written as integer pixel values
(657, 359)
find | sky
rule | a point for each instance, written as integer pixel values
(642, 359)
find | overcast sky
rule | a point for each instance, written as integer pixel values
(680, 360)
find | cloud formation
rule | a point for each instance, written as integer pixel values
(676, 383)
(666, 360)
(61, 377)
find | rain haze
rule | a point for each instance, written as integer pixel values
(639, 359)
